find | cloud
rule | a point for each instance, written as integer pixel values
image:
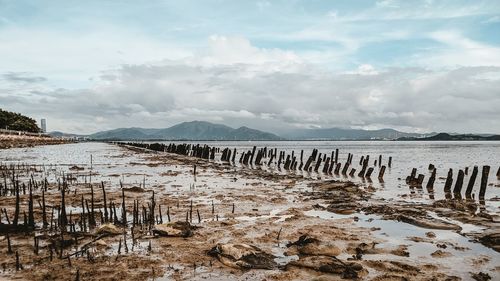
(23, 77)
(461, 51)
(164, 93)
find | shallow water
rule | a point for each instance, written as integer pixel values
(405, 156)
(113, 164)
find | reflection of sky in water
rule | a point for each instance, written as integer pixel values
(406, 155)
(395, 233)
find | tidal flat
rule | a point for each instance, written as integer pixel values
(111, 211)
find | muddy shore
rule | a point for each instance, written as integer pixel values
(297, 226)
(13, 141)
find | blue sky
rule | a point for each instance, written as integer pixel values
(95, 57)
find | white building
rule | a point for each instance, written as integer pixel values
(43, 123)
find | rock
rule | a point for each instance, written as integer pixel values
(430, 234)
(243, 256)
(109, 229)
(328, 265)
(174, 229)
(481, 276)
(76, 168)
(429, 223)
(134, 189)
(491, 240)
(101, 243)
(441, 254)
(306, 245)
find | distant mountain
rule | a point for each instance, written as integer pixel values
(454, 137)
(347, 134)
(58, 134)
(195, 130)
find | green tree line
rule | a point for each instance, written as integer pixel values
(18, 122)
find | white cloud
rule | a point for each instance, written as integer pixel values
(162, 94)
(461, 51)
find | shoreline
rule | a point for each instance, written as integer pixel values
(18, 141)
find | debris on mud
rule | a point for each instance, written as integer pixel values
(243, 256)
(174, 229)
(328, 265)
(306, 245)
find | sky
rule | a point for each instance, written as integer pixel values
(415, 66)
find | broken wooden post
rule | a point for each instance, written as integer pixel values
(344, 170)
(18, 263)
(430, 183)
(484, 181)
(472, 180)
(369, 172)
(459, 183)
(420, 179)
(9, 245)
(351, 174)
(381, 173)
(449, 181)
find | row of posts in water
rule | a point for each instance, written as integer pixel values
(414, 180)
(264, 156)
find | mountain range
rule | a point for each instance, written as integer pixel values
(201, 130)
(195, 130)
(454, 137)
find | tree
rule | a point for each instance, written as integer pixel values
(17, 122)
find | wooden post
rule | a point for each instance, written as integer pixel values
(430, 183)
(104, 202)
(18, 263)
(337, 168)
(124, 210)
(390, 162)
(381, 173)
(369, 172)
(459, 183)
(420, 179)
(449, 181)
(472, 180)
(351, 174)
(16, 213)
(31, 217)
(484, 181)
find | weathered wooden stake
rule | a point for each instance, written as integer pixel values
(449, 181)
(472, 181)
(484, 181)
(459, 183)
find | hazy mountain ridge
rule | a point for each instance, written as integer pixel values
(195, 130)
(454, 137)
(347, 134)
(201, 130)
